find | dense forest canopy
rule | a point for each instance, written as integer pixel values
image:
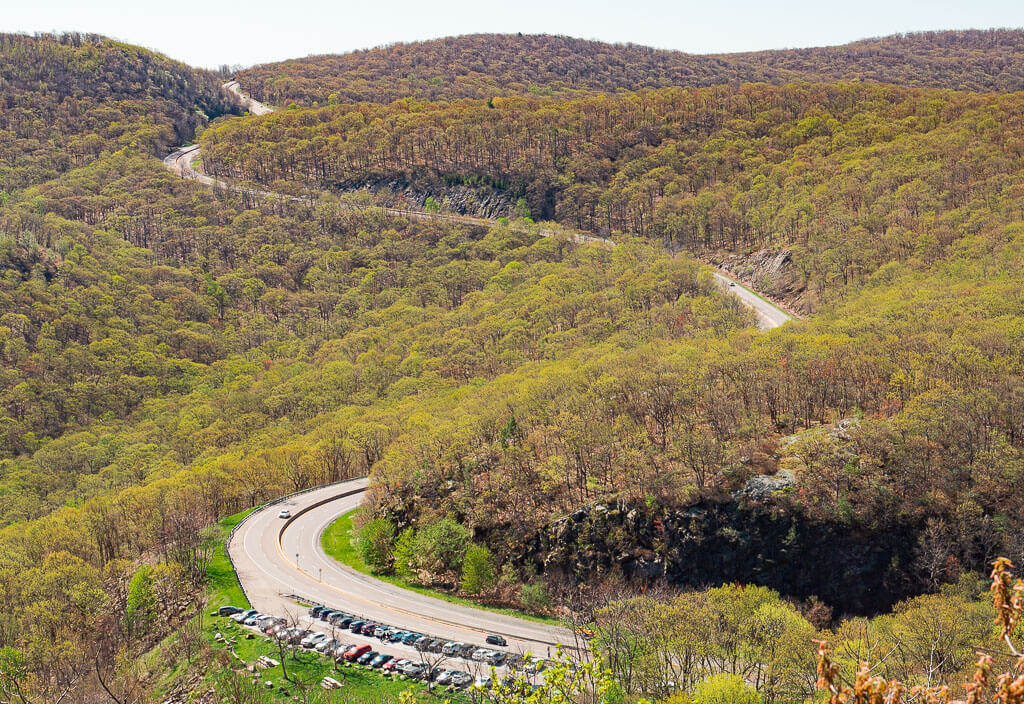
(170, 353)
(481, 66)
(845, 178)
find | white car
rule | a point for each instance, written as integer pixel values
(312, 640)
(284, 513)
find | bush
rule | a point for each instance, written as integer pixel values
(478, 573)
(441, 547)
(534, 597)
(724, 689)
(375, 543)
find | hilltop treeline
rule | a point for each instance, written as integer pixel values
(848, 177)
(481, 66)
(65, 99)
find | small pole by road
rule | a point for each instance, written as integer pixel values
(321, 574)
(297, 562)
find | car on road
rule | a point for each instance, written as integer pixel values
(229, 610)
(732, 283)
(284, 513)
(494, 639)
(355, 651)
(381, 660)
(366, 657)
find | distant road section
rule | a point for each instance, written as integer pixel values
(768, 315)
(180, 162)
(255, 107)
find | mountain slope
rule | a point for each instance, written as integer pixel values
(485, 65)
(66, 99)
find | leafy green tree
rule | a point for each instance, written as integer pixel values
(140, 602)
(405, 554)
(478, 572)
(441, 546)
(724, 689)
(376, 544)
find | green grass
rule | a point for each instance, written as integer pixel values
(337, 543)
(222, 585)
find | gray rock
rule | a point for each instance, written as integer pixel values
(762, 486)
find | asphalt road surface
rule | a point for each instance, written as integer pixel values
(255, 107)
(277, 559)
(768, 315)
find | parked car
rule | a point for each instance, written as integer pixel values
(460, 679)
(381, 659)
(314, 611)
(342, 620)
(420, 642)
(356, 625)
(369, 629)
(284, 513)
(366, 657)
(411, 638)
(356, 651)
(434, 646)
(229, 610)
(495, 657)
(242, 615)
(392, 665)
(494, 639)
(413, 669)
(535, 665)
(326, 646)
(452, 649)
(480, 654)
(312, 640)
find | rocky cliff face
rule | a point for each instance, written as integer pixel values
(477, 201)
(758, 542)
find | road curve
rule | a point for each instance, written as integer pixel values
(180, 162)
(768, 315)
(275, 558)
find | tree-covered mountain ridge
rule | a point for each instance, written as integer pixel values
(485, 65)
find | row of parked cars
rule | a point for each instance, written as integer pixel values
(423, 643)
(364, 654)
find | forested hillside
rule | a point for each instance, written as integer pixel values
(574, 414)
(845, 178)
(481, 66)
(66, 99)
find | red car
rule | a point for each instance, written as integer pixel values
(356, 651)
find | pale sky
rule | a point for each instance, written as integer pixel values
(211, 33)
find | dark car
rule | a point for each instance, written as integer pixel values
(381, 659)
(435, 646)
(356, 651)
(411, 638)
(496, 640)
(326, 614)
(343, 622)
(315, 611)
(356, 626)
(229, 610)
(365, 658)
(369, 629)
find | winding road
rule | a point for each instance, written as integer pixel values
(278, 559)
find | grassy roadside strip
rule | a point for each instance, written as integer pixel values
(337, 543)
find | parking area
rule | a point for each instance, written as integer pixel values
(347, 638)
